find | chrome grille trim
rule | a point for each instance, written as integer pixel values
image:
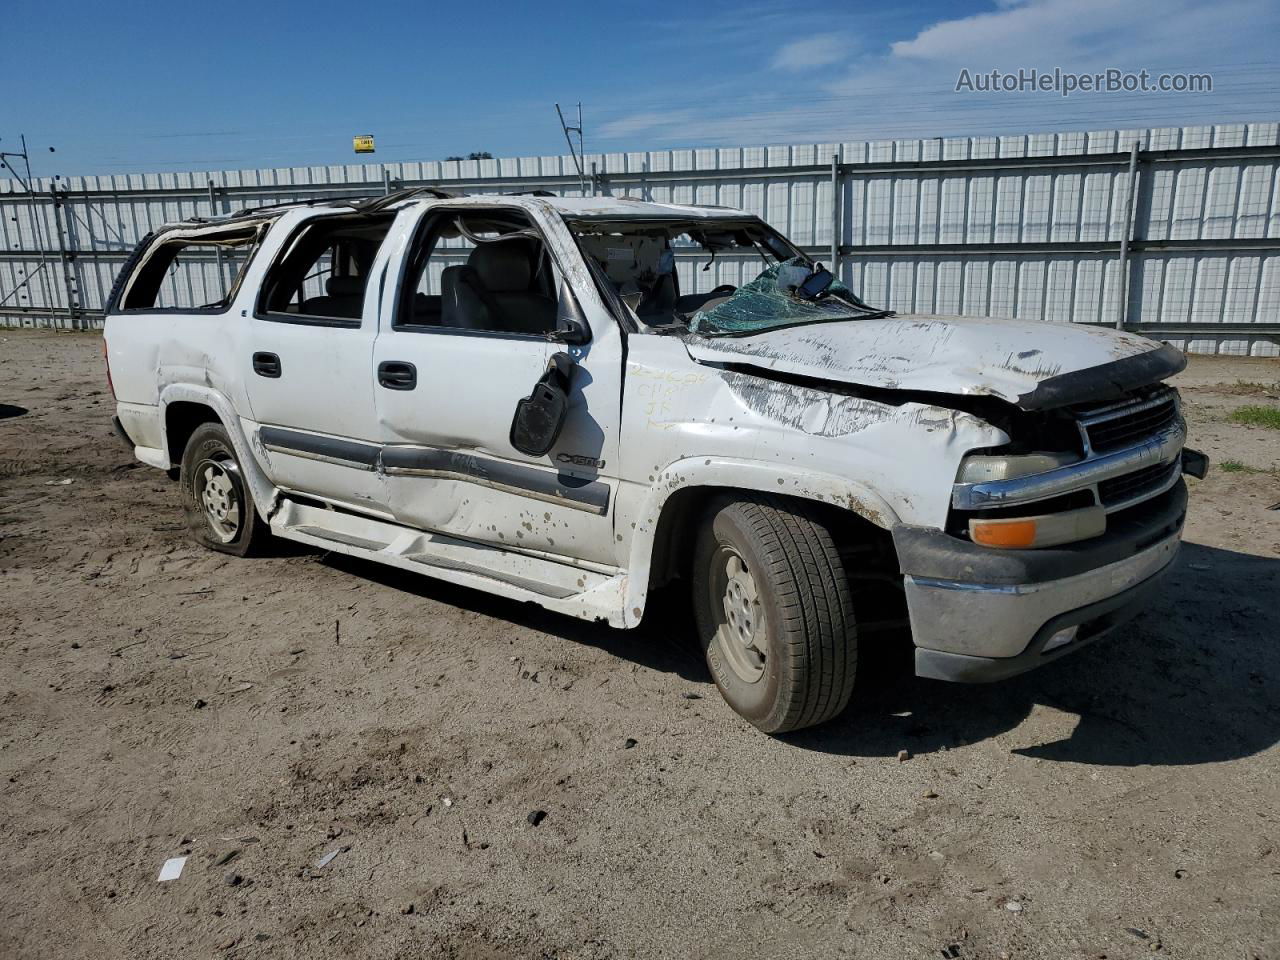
(1130, 489)
(1164, 446)
(1103, 428)
(1123, 407)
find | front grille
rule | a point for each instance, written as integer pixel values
(1131, 487)
(1129, 422)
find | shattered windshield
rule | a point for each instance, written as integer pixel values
(773, 299)
(715, 278)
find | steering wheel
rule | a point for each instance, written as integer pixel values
(723, 290)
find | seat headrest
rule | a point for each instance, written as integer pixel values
(344, 286)
(503, 266)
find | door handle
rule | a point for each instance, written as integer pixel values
(397, 375)
(266, 365)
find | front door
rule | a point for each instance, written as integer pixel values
(308, 361)
(469, 329)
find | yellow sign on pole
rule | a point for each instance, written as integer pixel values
(363, 143)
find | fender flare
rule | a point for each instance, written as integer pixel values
(746, 475)
(264, 491)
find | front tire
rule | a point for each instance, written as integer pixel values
(775, 613)
(219, 508)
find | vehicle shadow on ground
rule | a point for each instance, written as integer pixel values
(1196, 680)
(664, 641)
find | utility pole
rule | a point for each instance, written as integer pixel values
(37, 222)
(580, 154)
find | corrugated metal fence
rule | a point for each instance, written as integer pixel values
(1037, 226)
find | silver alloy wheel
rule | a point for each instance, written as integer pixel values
(219, 493)
(742, 633)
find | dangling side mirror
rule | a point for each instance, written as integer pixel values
(571, 323)
(540, 416)
(815, 285)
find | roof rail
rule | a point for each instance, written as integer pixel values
(373, 204)
(252, 211)
(672, 203)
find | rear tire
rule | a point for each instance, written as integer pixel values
(218, 506)
(775, 613)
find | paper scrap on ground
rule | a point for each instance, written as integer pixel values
(323, 861)
(172, 869)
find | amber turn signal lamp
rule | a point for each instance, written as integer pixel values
(1045, 530)
(1003, 533)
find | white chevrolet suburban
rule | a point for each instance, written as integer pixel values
(522, 394)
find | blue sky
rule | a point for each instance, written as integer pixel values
(121, 86)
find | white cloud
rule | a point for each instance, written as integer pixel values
(1028, 28)
(1078, 34)
(811, 53)
(640, 122)
(908, 89)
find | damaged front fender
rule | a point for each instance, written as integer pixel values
(733, 474)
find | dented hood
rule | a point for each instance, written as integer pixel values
(1032, 364)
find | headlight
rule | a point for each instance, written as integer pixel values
(985, 469)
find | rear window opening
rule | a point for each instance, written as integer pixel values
(192, 272)
(320, 276)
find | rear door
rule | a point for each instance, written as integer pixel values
(467, 333)
(308, 360)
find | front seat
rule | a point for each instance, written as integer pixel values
(494, 291)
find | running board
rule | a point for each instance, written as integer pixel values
(556, 586)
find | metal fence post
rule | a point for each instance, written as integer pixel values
(835, 212)
(68, 281)
(38, 234)
(217, 250)
(1122, 315)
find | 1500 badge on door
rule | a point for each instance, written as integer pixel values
(580, 461)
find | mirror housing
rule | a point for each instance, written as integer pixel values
(815, 285)
(570, 330)
(539, 417)
(571, 323)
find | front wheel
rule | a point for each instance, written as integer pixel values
(775, 614)
(219, 508)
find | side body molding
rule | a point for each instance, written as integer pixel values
(591, 496)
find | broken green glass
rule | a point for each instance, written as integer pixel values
(765, 304)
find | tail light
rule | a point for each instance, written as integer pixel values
(107, 361)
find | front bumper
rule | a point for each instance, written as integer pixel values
(979, 614)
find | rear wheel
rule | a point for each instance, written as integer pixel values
(219, 508)
(775, 614)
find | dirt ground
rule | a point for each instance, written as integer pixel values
(159, 700)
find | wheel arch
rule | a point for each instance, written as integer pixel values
(181, 418)
(682, 493)
(184, 407)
